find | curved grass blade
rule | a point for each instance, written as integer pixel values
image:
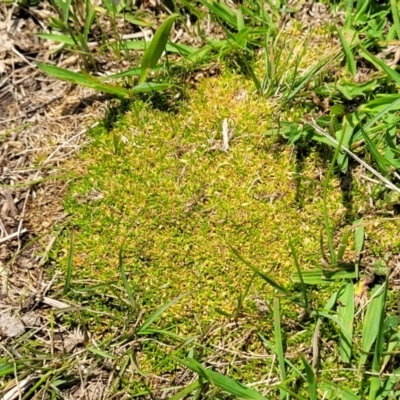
(346, 312)
(67, 284)
(370, 327)
(223, 382)
(143, 329)
(300, 274)
(312, 382)
(83, 80)
(156, 47)
(279, 348)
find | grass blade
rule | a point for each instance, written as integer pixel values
(303, 286)
(156, 48)
(125, 279)
(346, 313)
(379, 345)
(279, 347)
(358, 242)
(223, 382)
(396, 18)
(273, 283)
(83, 80)
(70, 265)
(154, 316)
(312, 382)
(370, 327)
(350, 61)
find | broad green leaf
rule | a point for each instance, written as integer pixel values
(156, 48)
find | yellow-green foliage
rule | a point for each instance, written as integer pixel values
(176, 202)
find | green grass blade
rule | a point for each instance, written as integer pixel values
(379, 159)
(303, 285)
(83, 80)
(395, 76)
(156, 48)
(142, 330)
(379, 345)
(358, 242)
(396, 18)
(186, 391)
(371, 327)
(312, 382)
(70, 265)
(350, 61)
(56, 38)
(346, 313)
(325, 202)
(223, 382)
(268, 279)
(279, 347)
(125, 279)
(343, 243)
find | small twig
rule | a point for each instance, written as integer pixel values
(386, 181)
(225, 135)
(13, 235)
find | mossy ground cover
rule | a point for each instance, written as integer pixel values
(158, 189)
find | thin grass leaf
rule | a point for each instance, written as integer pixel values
(358, 242)
(125, 279)
(315, 339)
(334, 391)
(311, 380)
(343, 243)
(56, 38)
(346, 313)
(371, 327)
(350, 61)
(328, 229)
(223, 382)
(143, 329)
(279, 347)
(325, 276)
(70, 264)
(379, 159)
(83, 80)
(287, 361)
(186, 391)
(101, 353)
(274, 284)
(396, 18)
(391, 73)
(240, 20)
(375, 384)
(156, 48)
(297, 265)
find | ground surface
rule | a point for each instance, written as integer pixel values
(156, 200)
